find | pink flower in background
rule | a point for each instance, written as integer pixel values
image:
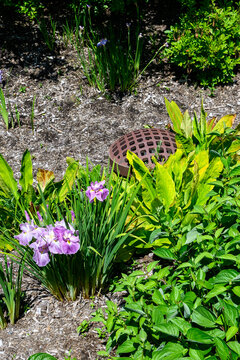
(97, 190)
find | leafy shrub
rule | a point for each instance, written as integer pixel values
(187, 304)
(206, 44)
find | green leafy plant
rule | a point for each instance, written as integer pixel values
(206, 44)
(42, 356)
(12, 294)
(49, 35)
(186, 303)
(109, 63)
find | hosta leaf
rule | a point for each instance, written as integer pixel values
(42, 356)
(199, 336)
(44, 177)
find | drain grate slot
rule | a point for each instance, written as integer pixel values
(145, 143)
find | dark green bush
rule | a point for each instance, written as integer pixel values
(207, 45)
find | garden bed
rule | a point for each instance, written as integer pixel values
(71, 119)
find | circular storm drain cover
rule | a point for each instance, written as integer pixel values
(145, 143)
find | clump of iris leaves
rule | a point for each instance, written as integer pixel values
(185, 304)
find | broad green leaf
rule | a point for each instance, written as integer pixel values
(217, 290)
(182, 324)
(126, 347)
(26, 178)
(68, 180)
(175, 115)
(157, 297)
(232, 331)
(165, 187)
(164, 254)
(44, 177)
(236, 290)
(143, 175)
(230, 314)
(42, 356)
(235, 346)
(226, 276)
(199, 336)
(202, 160)
(169, 329)
(225, 121)
(235, 146)
(7, 182)
(203, 317)
(142, 335)
(157, 316)
(203, 255)
(222, 349)
(171, 351)
(196, 354)
(134, 307)
(186, 125)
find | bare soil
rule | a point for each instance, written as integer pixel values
(73, 119)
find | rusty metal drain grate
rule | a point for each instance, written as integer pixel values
(144, 143)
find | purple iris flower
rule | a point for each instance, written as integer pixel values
(41, 255)
(63, 225)
(1, 76)
(102, 42)
(27, 234)
(97, 190)
(69, 243)
(52, 240)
